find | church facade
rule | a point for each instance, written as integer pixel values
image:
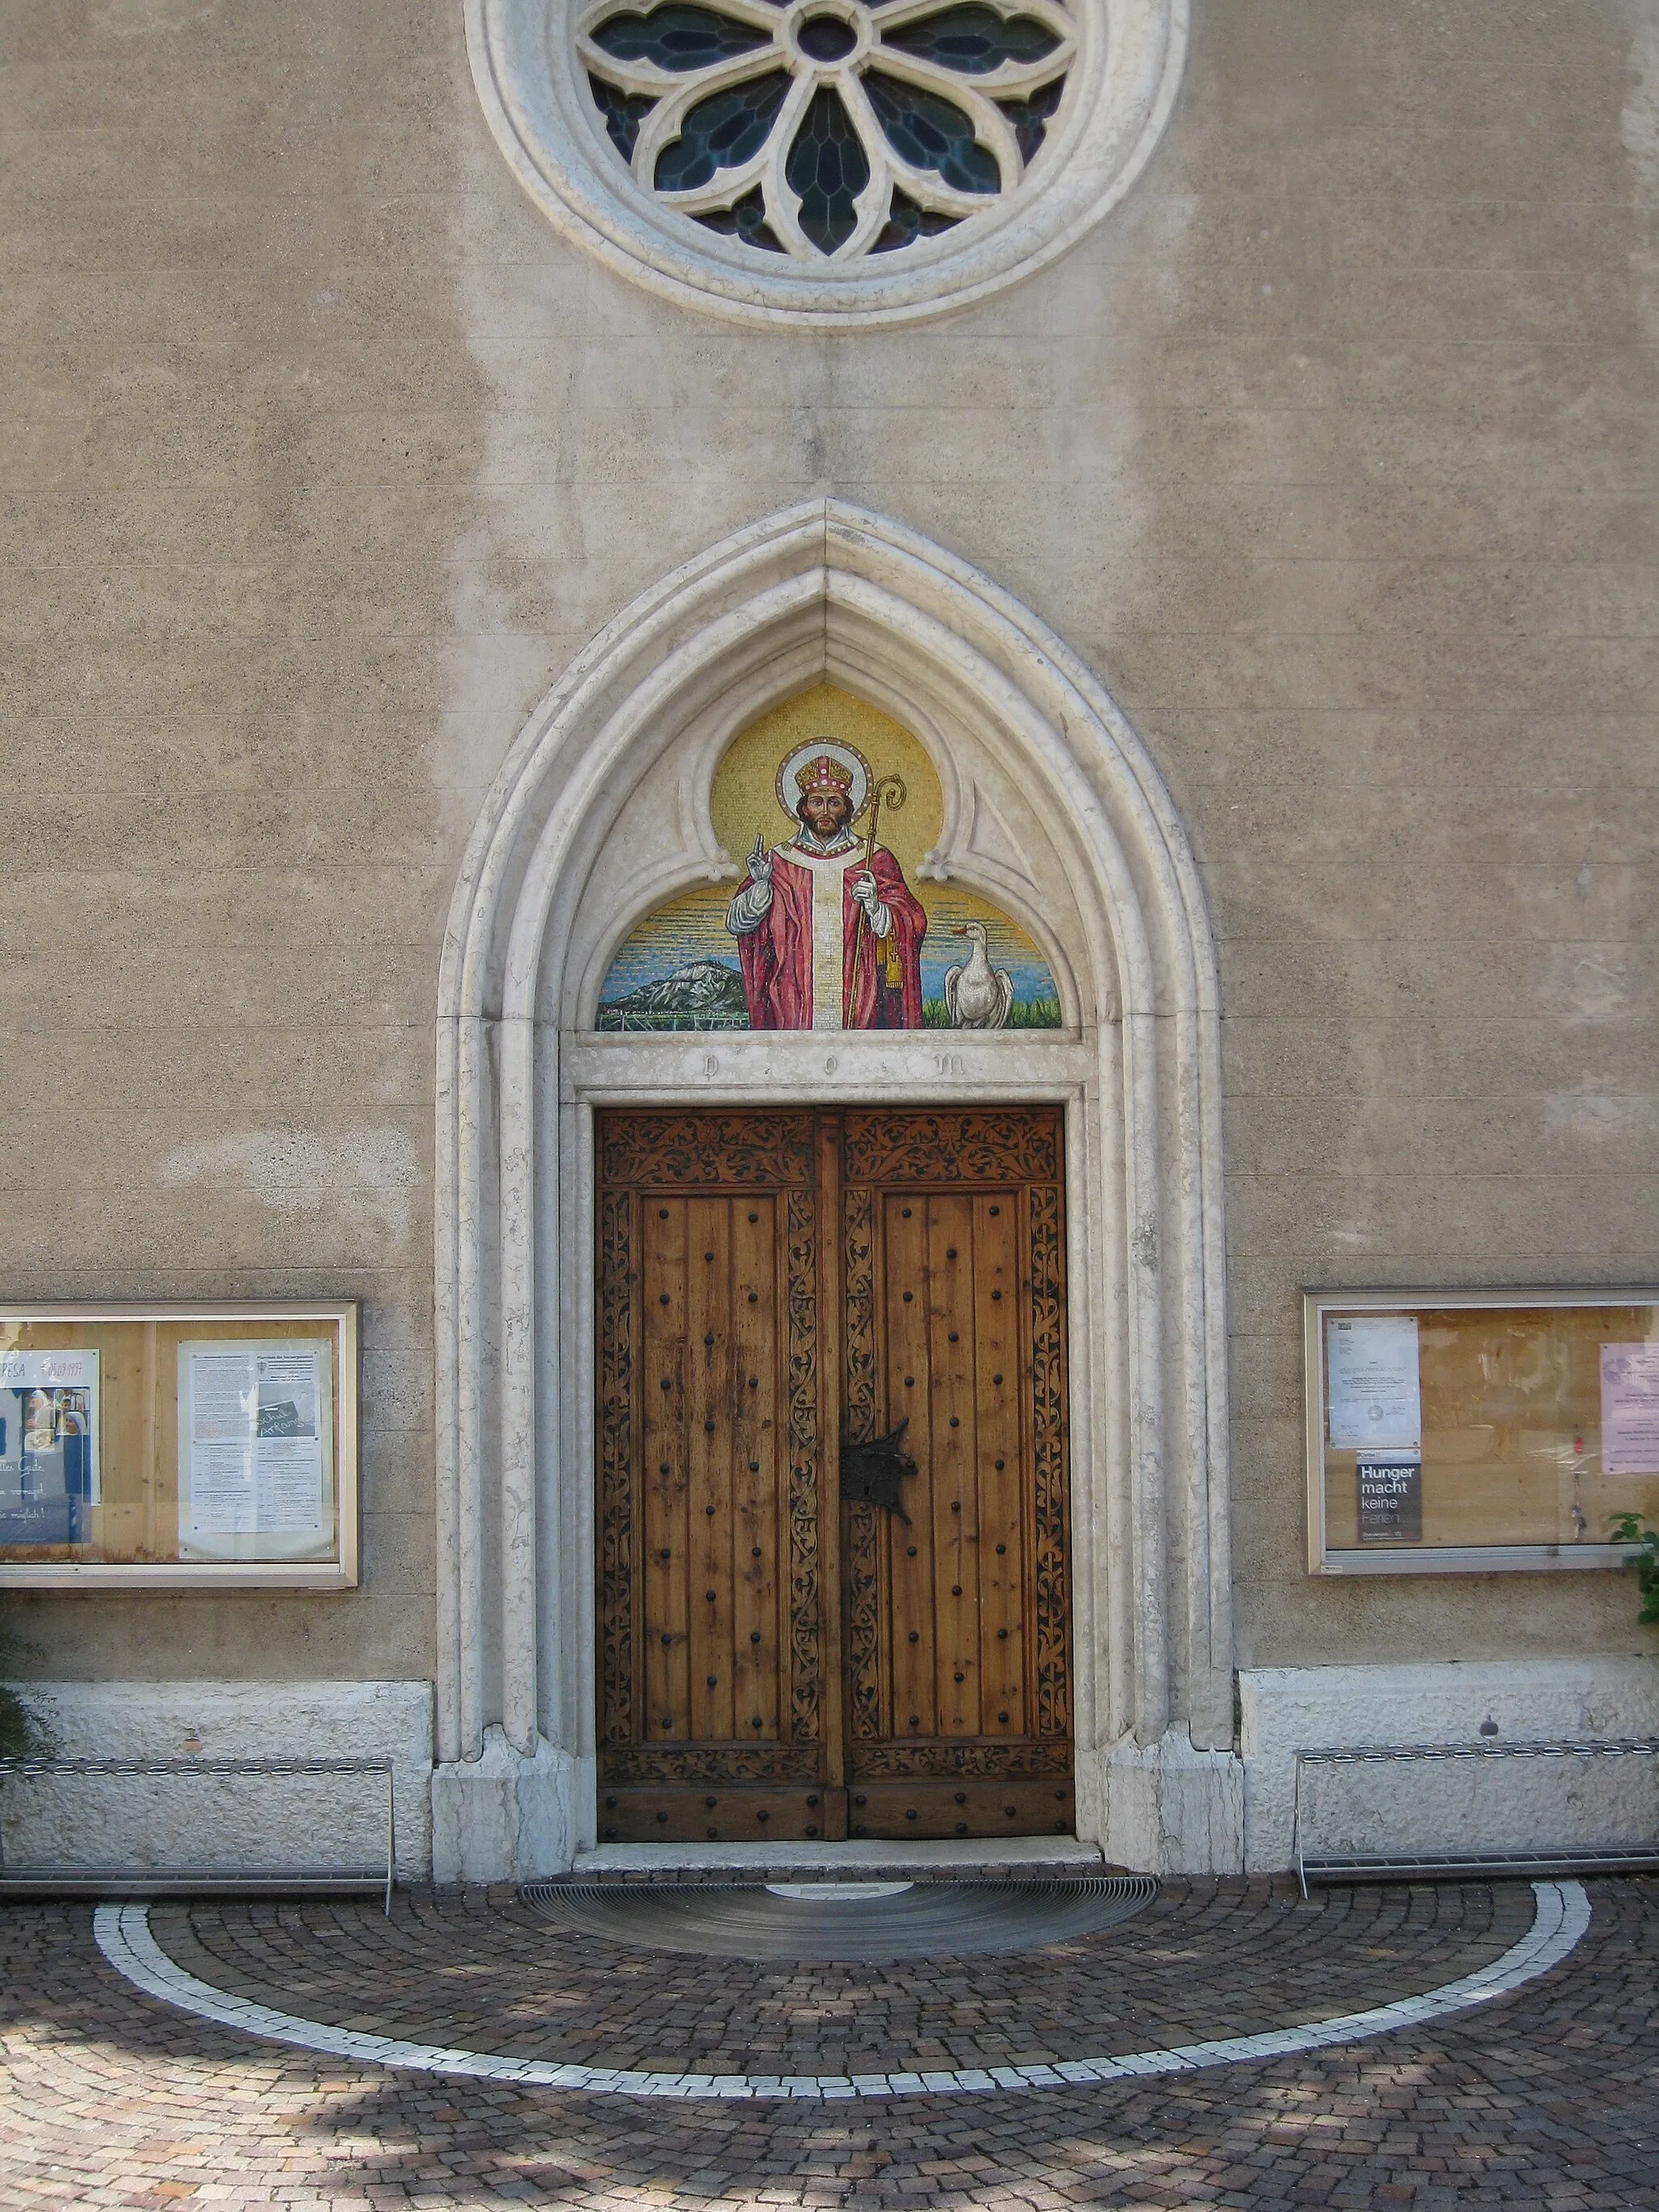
(833, 886)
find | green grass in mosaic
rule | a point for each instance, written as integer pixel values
(1035, 1014)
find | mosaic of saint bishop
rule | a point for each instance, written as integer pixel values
(829, 932)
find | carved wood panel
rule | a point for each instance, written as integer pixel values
(988, 1144)
(1052, 1609)
(862, 1549)
(706, 1763)
(720, 1572)
(806, 1512)
(705, 1150)
(943, 1760)
(710, 1458)
(957, 1626)
(615, 1437)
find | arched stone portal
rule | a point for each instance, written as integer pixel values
(1054, 810)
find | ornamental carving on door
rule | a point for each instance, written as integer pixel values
(767, 1655)
(616, 1501)
(986, 1761)
(1054, 1712)
(858, 1240)
(679, 1153)
(805, 1689)
(934, 1149)
(684, 1150)
(977, 1147)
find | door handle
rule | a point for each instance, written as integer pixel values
(871, 1472)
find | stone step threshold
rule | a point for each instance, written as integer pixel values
(953, 1858)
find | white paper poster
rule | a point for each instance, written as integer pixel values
(1629, 1408)
(1372, 1400)
(254, 1426)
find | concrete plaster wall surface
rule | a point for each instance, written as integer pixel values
(1496, 1801)
(1328, 451)
(148, 1821)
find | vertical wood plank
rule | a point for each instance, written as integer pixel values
(709, 1439)
(1002, 1459)
(663, 1580)
(868, 1705)
(752, 1535)
(910, 1552)
(956, 1535)
(832, 1718)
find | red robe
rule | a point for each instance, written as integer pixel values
(776, 957)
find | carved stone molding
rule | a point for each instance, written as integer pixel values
(827, 592)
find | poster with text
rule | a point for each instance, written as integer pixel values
(1373, 1400)
(256, 1426)
(50, 1469)
(1629, 1408)
(1390, 1486)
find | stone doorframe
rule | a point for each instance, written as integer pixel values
(599, 814)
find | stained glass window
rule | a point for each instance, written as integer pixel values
(745, 218)
(854, 127)
(826, 38)
(931, 133)
(677, 37)
(907, 221)
(1030, 117)
(623, 114)
(720, 132)
(974, 39)
(828, 169)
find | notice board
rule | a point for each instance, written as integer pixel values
(179, 1445)
(1457, 1431)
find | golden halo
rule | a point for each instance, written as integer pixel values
(838, 749)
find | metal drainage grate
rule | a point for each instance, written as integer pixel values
(23, 1882)
(869, 1922)
(1493, 1756)
(1476, 1866)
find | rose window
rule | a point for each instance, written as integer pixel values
(826, 164)
(826, 130)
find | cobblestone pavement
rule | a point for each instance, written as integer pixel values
(1548, 2098)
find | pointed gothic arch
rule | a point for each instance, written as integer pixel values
(826, 592)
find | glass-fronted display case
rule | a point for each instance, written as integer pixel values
(1461, 1431)
(179, 1445)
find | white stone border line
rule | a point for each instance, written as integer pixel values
(123, 1933)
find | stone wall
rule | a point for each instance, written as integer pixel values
(1327, 451)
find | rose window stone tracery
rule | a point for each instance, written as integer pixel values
(828, 130)
(826, 164)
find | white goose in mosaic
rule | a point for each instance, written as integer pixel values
(977, 996)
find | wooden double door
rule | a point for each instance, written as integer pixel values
(833, 1577)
